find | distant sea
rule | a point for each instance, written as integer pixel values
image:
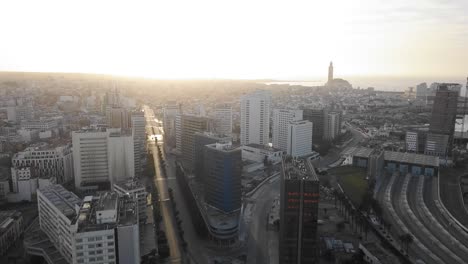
(379, 83)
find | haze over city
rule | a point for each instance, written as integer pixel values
(234, 132)
(290, 40)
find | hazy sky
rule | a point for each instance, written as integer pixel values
(236, 39)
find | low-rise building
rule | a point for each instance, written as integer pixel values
(11, 228)
(257, 153)
(135, 189)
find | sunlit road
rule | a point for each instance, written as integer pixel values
(160, 182)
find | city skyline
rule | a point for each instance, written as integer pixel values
(239, 41)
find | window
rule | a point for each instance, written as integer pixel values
(90, 238)
(110, 243)
(79, 240)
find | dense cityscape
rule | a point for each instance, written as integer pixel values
(234, 132)
(97, 169)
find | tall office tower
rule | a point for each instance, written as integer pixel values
(421, 91)
(102, 157)
(298, 241)
(332, 126)
(444, 111)
(281, 120)
(112, 97)
(223, 169)
(190, 125)
(223, 119)
(255, 118)
(330, 73)
(117, 117)
(299, 138)
(178, 132)
(318, 117)
(47, 161)
(136, 190)
(170, 111)
(99, 229)
(139, 140)
(12, 229)
(200, 140)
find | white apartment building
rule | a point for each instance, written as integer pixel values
(299, 138)
(281, 120)
(43, 124)
(47, 161)
(57, 210)
(255, 118)
(332, 126)
(411, 140)
(138, 192)
(223, 119)
(102, 157)
(102, 229)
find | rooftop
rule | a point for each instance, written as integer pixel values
(358, 152)
(413, 158)
(299, 169)
(90, 220)
(129, 185)
(6, 218)
(264, 147)
(62, 199)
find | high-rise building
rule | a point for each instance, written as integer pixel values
(281, 120)
(255, 118)
(330, 73)
(332, 126)
(178, 132)
(299, 138)
(421, 91)
(139, 140)
(102, 157)
(223, 169)
(117, 117)
(223, 119)
(170, 111)
(190, 125)
(298, 241)
(200, 140)
(47, 161)
(444, 110)
(318, 117)
(99, 229)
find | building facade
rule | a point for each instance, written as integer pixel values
(223, 169)
(190, 125)
(11, 228)
(223, 119)
(102, 157)
(139, 141)
(332, 126)
(299, 138)
(318, 117)
(299, 198)
(281, 120)
(255, 118)
(47, 161)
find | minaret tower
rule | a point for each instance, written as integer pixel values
(330, 73)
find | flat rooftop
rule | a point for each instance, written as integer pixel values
(62, 199)
(264, 147)
(362, 152)
(129, 185)
(299, 169)
(125, 206)
(412, 158)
